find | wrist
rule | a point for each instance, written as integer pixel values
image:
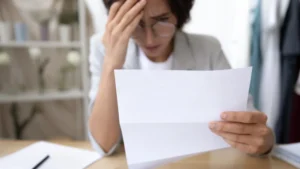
(108, 69)
(111, 66)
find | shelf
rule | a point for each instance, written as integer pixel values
(41, 44)
(38, 97)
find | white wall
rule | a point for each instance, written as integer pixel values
(229, 22)
(98, 13)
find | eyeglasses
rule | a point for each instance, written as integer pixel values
(159, 29)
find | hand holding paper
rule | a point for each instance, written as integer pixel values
(164, 115)
(246, 131)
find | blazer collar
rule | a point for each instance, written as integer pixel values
(183, 55)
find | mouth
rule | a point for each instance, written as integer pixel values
(152, 48)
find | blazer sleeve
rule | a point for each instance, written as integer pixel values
(96, 58)
(219, 60)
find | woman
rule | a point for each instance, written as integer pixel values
(146, 34)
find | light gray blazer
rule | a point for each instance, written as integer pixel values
(191, 52)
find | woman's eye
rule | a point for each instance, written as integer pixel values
(164, 19)
(141, 24)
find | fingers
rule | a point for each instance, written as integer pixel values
(243, 147)
(130, 28)
(236, 128)
(112, 13)
(114, 10)
(259, 141)
(131, 15)
(240, 128)
(124, 35)
(124, 9)
(110, 24)
(114, 28)
(244, 139)
(245, 117)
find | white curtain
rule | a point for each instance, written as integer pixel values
(98, 13)
(273, 14)
(229, 21)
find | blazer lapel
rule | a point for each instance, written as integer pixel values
(183, 55)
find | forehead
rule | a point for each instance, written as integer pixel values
(156, 7)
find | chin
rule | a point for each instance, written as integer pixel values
(153, 53)
(152, 57)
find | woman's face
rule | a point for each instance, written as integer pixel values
(156, 29)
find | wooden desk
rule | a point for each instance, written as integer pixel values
(223, 159)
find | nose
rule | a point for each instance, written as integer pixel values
(149, 36)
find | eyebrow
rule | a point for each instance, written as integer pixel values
(161, 15)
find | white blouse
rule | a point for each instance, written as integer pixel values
(147, 64)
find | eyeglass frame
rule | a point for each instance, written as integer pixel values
(153, 30)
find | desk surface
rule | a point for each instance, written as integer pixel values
(225, 159)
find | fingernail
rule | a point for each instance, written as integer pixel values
(212, 125)
(224, 116)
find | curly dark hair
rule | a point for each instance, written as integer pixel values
(180, 8)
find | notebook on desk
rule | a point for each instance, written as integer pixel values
(60, 157)
(289, 153)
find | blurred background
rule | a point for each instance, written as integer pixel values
(44, 48)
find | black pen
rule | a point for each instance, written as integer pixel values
(41, 162)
